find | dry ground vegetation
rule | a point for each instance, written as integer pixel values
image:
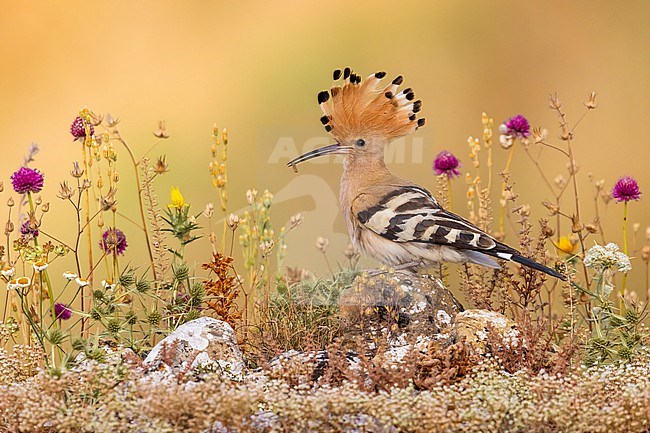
(581, 366)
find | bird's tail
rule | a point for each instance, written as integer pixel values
(538, 266)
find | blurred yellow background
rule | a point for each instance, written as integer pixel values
(255, 67)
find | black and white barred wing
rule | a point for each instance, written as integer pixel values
(411, 214)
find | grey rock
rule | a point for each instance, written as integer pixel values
(475, 325)
(204, 345)
(402, 301)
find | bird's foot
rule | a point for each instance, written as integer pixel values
(411, 266)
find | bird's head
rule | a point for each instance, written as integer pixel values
(363, 116)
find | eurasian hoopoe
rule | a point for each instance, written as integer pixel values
(389, 218)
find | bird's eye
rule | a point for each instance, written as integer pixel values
(361, 142)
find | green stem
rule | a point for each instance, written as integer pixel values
(36, 330)
(136, 164)
(502, 211)
(86, 193)
(43, 274)
(622, 292)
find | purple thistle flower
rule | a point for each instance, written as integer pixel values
(517, 126)
(113, 240)
(78, 129)
(626, 189)
(27, 180)
(446, 163)
(62, 312)
(27, 230)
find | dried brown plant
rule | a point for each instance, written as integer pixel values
(158, 244)
(222, 289)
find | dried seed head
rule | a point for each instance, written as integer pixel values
(295, 221)
(65, 192)
(566, 133)
(548, 231)
(10, 202)
(559, 181)
(552, 207)
(209, 210)
(161, 166)
(162, 130)
(95, 119)
(592, 228)
(573, 167)
(576, 225)
(251, 194)
(266, 247)
(606, 196)
(233, 221)
(350, 252)
(645, 253)
(322, 244)
(539, 134)
(554, 102)
(45, 207)
(591, 101)
(76, 171)
(109, 202)
(523, 210)
(111, 121)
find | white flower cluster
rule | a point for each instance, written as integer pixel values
(506, 140)
(607, 257)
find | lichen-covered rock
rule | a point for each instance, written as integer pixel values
(475, 325)
(305, 367)
(404, 302)
(198, 346)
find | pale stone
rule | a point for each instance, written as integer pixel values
(202, 345)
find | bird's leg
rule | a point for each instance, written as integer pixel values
(410, 266)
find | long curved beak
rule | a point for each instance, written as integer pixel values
(335, 148)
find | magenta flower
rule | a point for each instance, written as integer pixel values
(517, 127)
(446, 163)
(113, 241)
(27, 230)
(62, 312)
(27, 180)
(78, 129)
(626, 189)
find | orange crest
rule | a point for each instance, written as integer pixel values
(358, 109)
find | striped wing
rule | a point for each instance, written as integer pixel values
(411, 214)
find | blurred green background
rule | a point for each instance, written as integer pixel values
(255, 67)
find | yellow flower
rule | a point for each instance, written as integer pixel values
(177, 199)
(566, 246)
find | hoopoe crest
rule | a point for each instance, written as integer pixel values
(389, 218)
